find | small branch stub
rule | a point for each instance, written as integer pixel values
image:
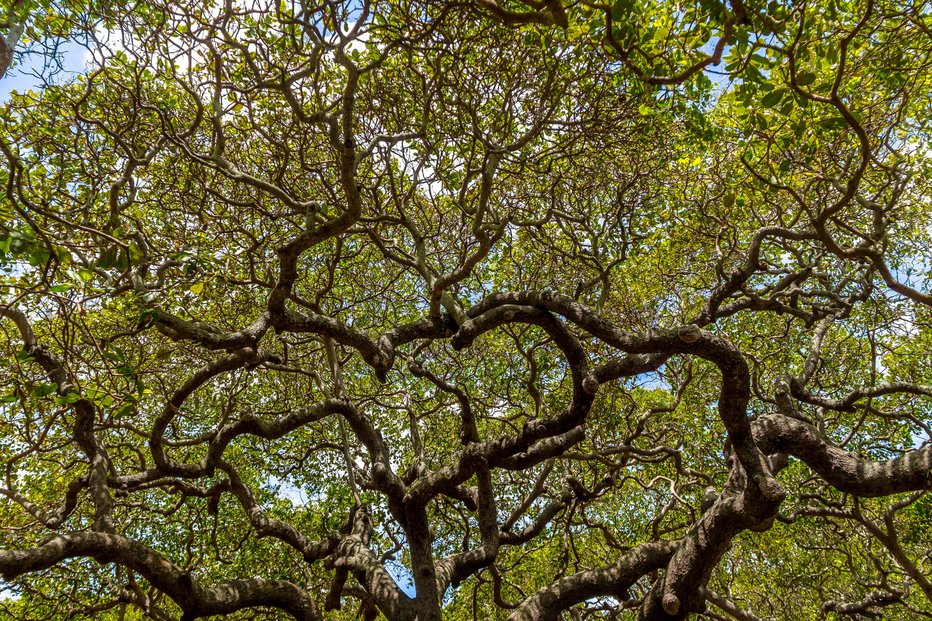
(689, 333)
(770, 488)
(670, 603)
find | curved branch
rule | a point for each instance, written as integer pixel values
(777, 433)
(547, 603)
(194, 599)
(690, 339)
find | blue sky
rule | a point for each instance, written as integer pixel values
(26, 73)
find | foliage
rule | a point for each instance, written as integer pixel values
(422, 309)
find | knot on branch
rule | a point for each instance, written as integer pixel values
(250, 355)
(579, 490)
(473, 455)
(709, 497)
(380, 364)
(464, 336)
(770, 489)
(690, 333)
(670, 603)
(383, 359)
(359, 523)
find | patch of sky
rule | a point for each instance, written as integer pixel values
(651, 380)
(292, 493)
(53, 62)
(402, 576)
(8, 591)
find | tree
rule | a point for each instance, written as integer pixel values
(37, 34)
(429, 310)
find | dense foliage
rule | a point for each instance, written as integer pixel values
(474, 309)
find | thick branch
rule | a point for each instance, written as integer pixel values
(549, 602)
(777, 433)
(195, 600)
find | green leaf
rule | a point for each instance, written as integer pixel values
(23, 356)
(44, 390)
(620, 9)
(100, 397)
(67, 398)
(805, 79)
(772, 98)
(833, 123)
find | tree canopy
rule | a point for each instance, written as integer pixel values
(473, 309)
